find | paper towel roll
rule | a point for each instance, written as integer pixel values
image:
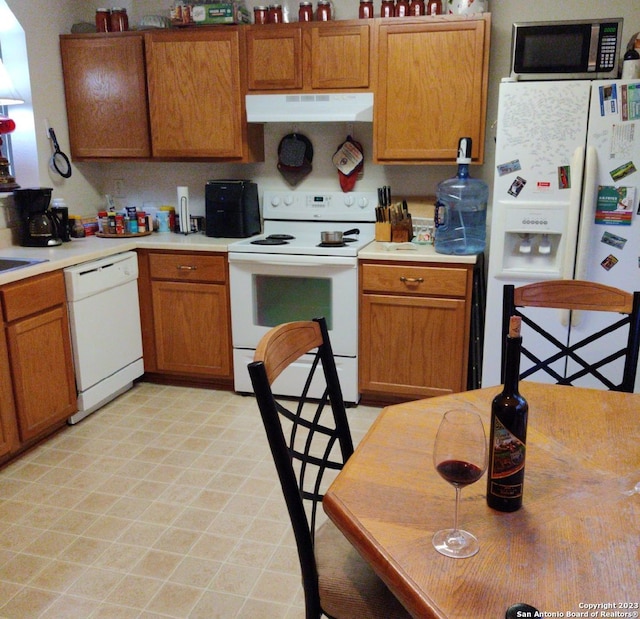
(183, 210)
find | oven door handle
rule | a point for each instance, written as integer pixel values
(295, 261)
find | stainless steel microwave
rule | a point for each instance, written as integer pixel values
(562, 50)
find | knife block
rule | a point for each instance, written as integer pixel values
(402, 231)
(383, 231)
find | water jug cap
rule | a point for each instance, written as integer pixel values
(464, 151)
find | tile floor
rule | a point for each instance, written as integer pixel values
(165, 503)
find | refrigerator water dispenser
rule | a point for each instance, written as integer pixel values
(532, 239)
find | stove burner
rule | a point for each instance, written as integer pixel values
(345, 241)
(270, 240)
(281, 237)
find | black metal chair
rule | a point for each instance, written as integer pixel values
(623, 310)
(336, 580)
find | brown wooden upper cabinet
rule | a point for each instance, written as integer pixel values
(431, 88)
(176, 94)
(106, 92)
(196, 101)
(308, 57)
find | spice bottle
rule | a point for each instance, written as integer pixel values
(323, 12)
(365, 10)
(402, 8)
(103, 17)
(305, 12)
(387, 8)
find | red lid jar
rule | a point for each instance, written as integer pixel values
(417, 8)
(402, 8)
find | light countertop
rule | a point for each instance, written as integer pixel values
(410, 252)
(93, 248)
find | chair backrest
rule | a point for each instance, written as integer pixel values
(307, 437)
(622, 311)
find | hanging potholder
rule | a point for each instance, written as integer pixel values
(295, 154)
(349, 159)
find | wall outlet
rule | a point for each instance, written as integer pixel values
(118, 188)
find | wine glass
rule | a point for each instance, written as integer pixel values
(460, 456)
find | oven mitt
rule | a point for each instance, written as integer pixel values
(349, 159)
(295, 154)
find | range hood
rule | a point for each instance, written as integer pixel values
(325, 107)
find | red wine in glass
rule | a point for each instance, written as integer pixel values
(460, 457)
(459, 473)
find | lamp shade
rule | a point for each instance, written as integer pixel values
(8, 94)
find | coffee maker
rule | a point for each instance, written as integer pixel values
(39, 227)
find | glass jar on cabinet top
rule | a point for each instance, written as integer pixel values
(305, 11)
(323, 12)
(402, 8)
(387, 8)
(365, 10)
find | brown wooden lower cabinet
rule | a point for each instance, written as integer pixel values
(36, 361)
(186, 320)
(414, 329)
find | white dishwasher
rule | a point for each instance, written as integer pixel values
(104, 317)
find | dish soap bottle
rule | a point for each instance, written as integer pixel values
(507, 441)
(461, 209)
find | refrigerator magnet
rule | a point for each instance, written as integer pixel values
(564, 177)
(609, 262)
(614, 240)
(624, 170)
(517, 186)
(509, 167)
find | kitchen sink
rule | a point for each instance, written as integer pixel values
(10, 264)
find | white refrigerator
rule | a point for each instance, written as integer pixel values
(565, 201)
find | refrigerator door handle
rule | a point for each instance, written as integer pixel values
(573, 224)
(586, 219)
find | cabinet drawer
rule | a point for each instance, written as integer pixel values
(413, 279)
(188, 267)
(32, 295)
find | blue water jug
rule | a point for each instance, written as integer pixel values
(461, 209)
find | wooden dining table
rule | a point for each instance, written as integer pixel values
(572, 548)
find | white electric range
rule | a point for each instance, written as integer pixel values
(275, 278)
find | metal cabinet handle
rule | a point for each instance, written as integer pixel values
(186, 267)
(411, 280)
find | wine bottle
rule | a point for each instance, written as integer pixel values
(509, 411)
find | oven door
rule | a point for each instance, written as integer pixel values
(270, 289)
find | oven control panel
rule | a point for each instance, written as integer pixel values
(320, 205)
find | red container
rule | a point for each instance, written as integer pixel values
(275, 14)
(305, 12)
(387, 8)
(323, 12)
(365, 11)
(119, 20)
(260, 15)
(103, 19)
(402, 8)
(417, 8)
(434, 7)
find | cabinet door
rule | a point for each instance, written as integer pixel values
(412, 346)
(8, 428)
(195, 99)
(42, 371)
(431, 89)
(192, 327)
(339, 56)
(274, 57)
(106, 94)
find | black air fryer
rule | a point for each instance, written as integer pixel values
(231, 209)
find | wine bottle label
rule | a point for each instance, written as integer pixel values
(507, 459)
